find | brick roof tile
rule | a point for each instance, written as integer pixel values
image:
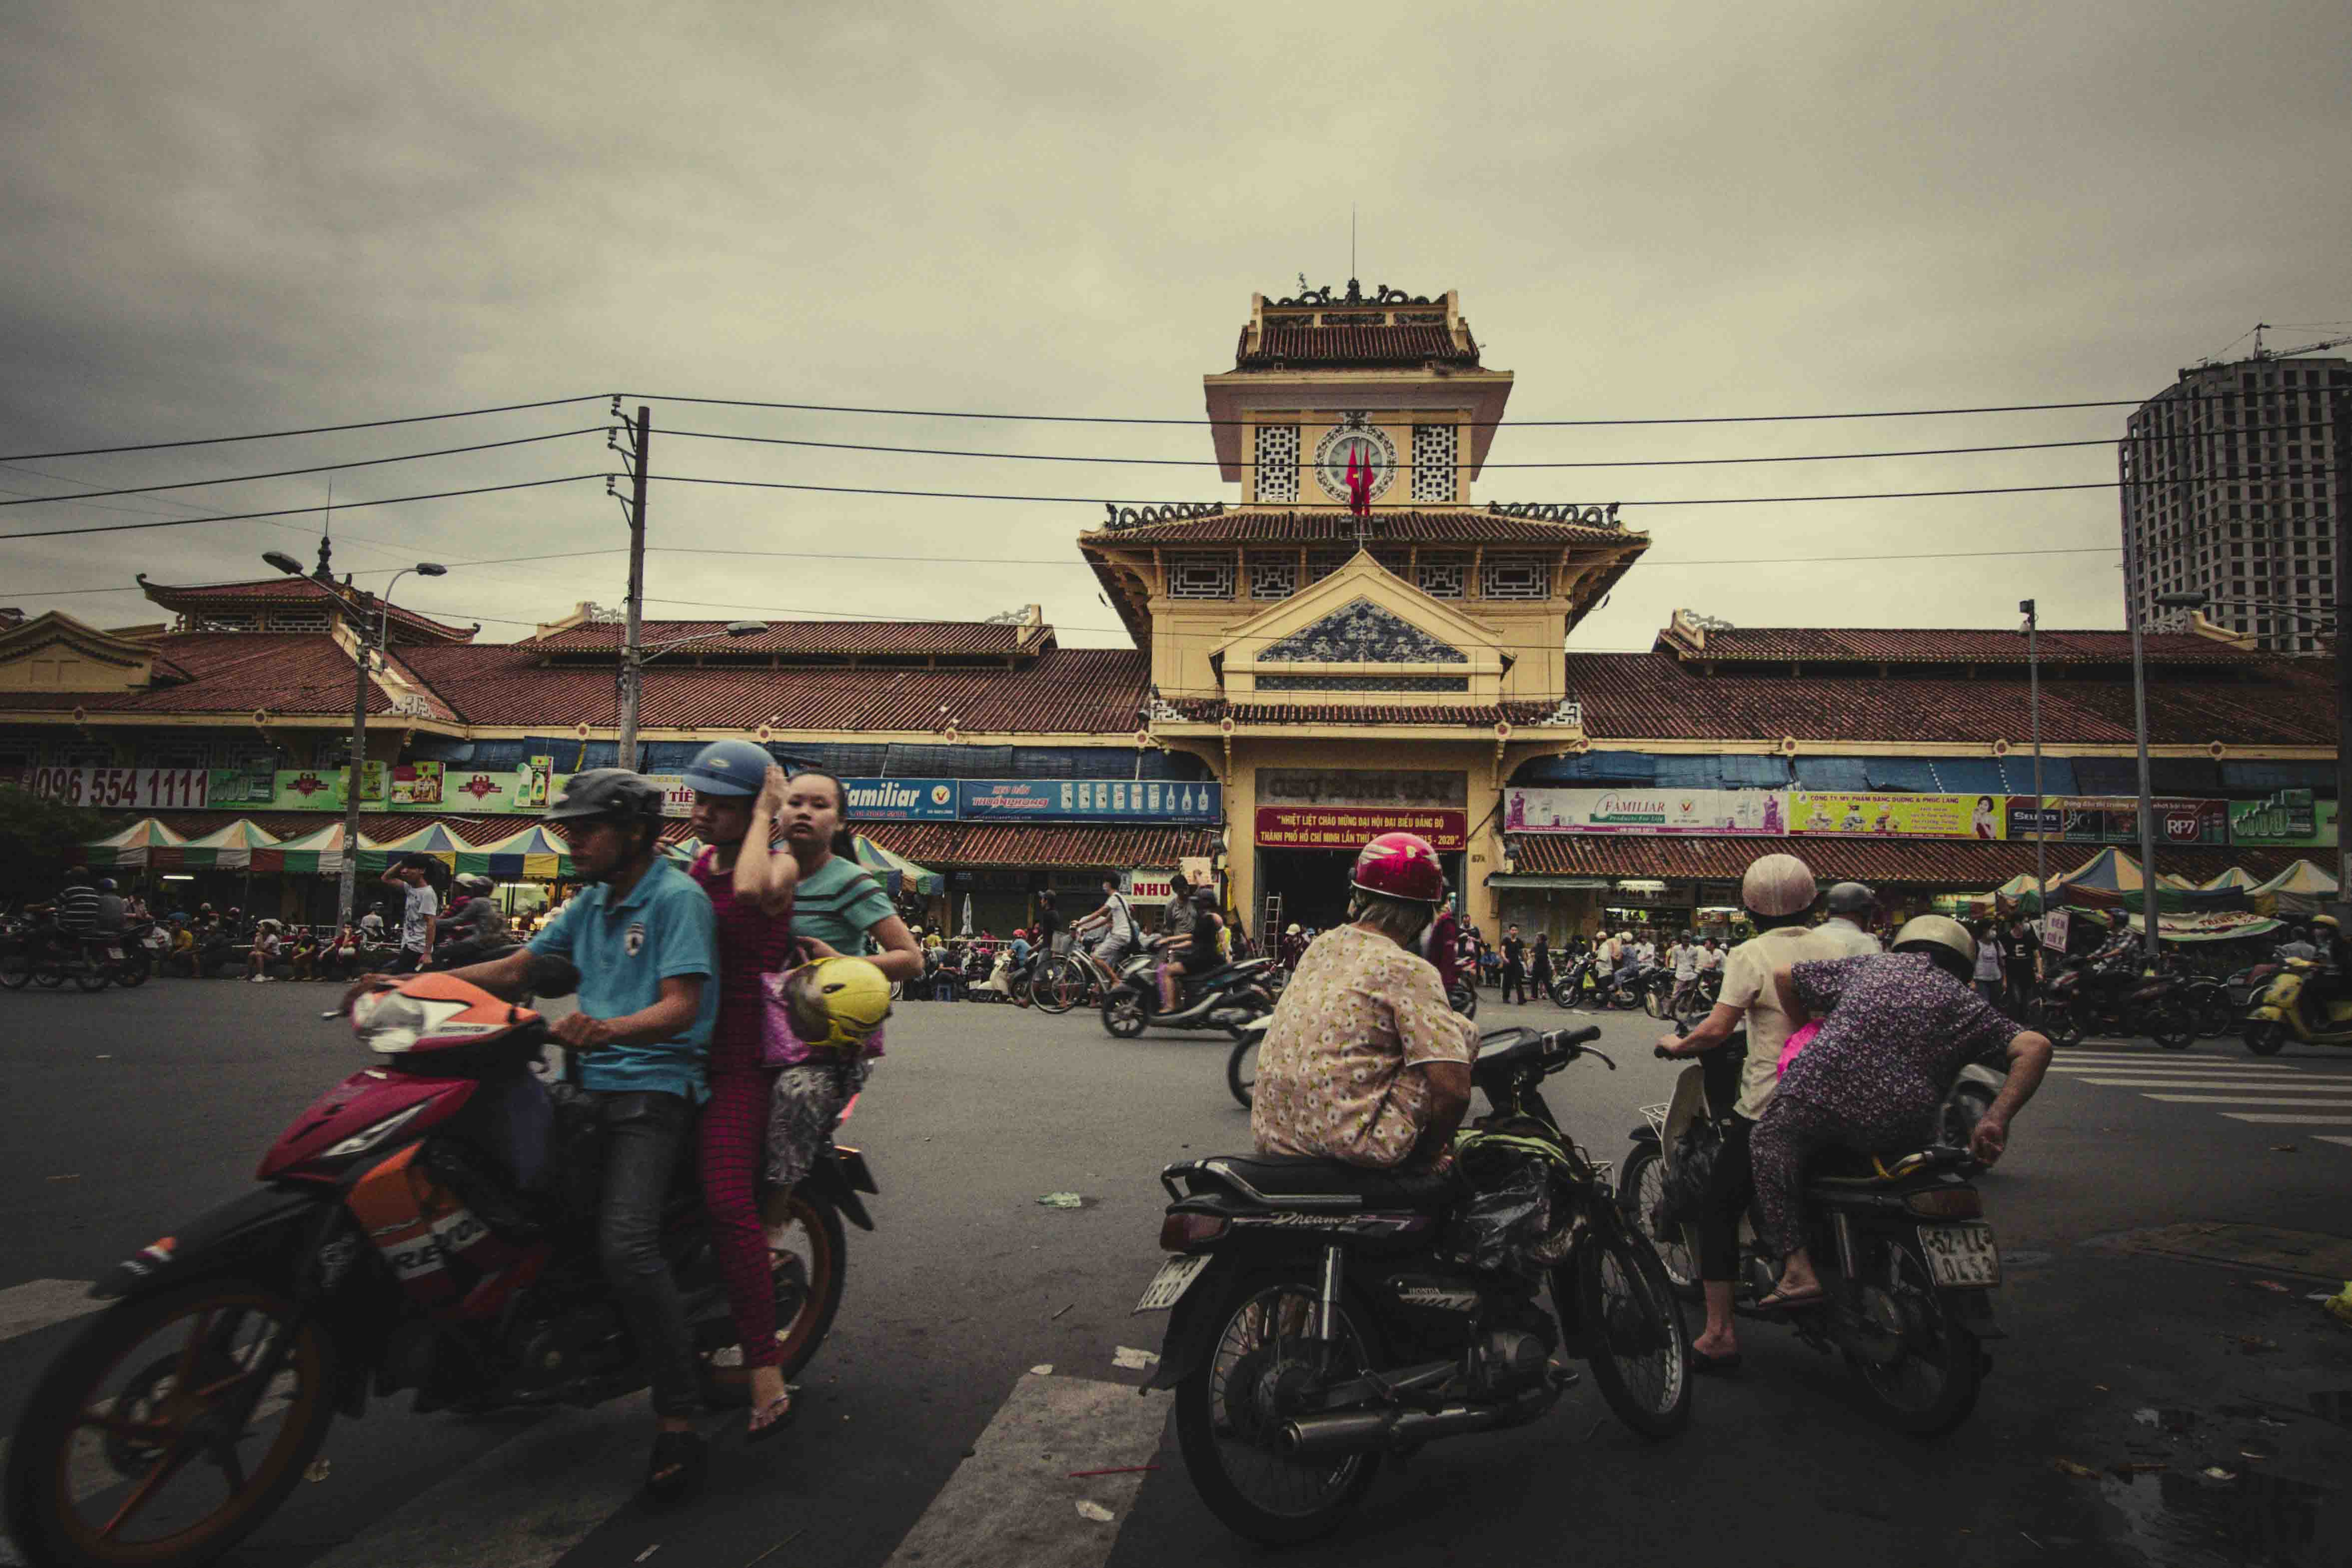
(1919, 862)
(1335, 525)
(1352, 343)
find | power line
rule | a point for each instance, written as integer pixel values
(320, 469)
(299, 511)
(311, 430)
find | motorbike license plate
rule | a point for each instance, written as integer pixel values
(1168, 1286)
(115, 953)
(1961, 1254)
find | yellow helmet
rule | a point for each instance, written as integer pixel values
(2330, 922)
(837, 1004)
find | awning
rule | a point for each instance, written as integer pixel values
(534, 854)
(131, 846)
(317, 853)
(1585, 884)
(897, 872)
(230, 849)
(434, 839)
(1012, 845)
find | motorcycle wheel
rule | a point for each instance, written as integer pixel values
(1931, 1384)
(1122, 1014)
(1562, 994)
(15, 969)
(1241, 1069)
(1638, 1348)
(1228, 1439)
(808, 1256)
(2171, 1028)
(1464, 998)
(1641, 1192)
(1054, 988)
(2063, 1025)
(113, 1463)
(1653, 1000)
(93, 978)
(132, 971)
(2266, 1037)
(48, 976)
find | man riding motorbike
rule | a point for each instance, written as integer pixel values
(1202, 950)
(1851, 907)
(474, 929)
(1364, 1061)
(644, 939)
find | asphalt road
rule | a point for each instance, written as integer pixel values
(126, 1112)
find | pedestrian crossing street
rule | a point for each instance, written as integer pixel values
(2266, 1092)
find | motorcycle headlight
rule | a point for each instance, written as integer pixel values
(388, 1022)
(368, 1137)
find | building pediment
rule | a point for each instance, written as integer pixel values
(1364, 634)
(54, 652)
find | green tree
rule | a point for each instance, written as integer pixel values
(38, 839)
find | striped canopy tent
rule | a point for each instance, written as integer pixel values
(319, 853)
(434, 839)
(2109, 871)
(133, 844)
(2017, 887)
(2300, 889)
(534, 854)
(2235, 877)
(896, 872)
(230, 848)
(2173, 879)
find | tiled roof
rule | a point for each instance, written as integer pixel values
(938, 845)
(1654, 695)
(231, 672)
(1961, 864)
(1484, 716)
(1352, 345)
(1967, 645)
(843, 638)
(1436, 525)
(1063, 690)
(377, 824)
(289, 590)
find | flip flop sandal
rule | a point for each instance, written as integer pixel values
(1778, 1302)
(676, 1468)
(1707, 1366)
(758, 1432)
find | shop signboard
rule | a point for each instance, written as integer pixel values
(1089, 800)
(1897, 815)
(2290, 816)
(901, 800)
(1151, 886)
(1629, 811)
(1348, 827)
(2115, 819)
(137, 789)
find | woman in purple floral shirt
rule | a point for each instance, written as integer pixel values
(1896, 1028)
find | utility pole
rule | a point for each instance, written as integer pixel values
(2041, 801)
(2133, 501)
(2340, 494)
(633, 665)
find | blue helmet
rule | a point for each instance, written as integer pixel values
(729, 767)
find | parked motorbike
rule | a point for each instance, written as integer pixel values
(1899, 1240)
(2207, 1001)
(1225, 998)
(2113, 999)
(1580, 984)
(389, 1247)
(45, 956)
(2288, 1010)
(1322, 1316)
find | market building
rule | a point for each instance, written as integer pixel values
(1306, 673)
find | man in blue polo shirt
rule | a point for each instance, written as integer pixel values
(644, 939)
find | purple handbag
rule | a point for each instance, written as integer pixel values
(781, 1044)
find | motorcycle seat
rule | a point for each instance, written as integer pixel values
(1310, 1182)
(1846, 1169)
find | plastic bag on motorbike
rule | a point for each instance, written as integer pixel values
(1689, 1175)
(1505, 1221)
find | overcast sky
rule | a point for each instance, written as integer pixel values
(222, 219)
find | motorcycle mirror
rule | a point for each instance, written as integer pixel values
(544, 974)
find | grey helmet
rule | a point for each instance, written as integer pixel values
(607, 794)
(1851, 899)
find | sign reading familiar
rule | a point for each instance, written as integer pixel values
(1712, 811)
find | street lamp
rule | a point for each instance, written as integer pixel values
(362, 648)
(2041, 801)
(633, 665)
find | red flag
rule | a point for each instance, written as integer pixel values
(1360, 482)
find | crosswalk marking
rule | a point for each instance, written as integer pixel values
(1016, 1500)
(2261, 1083)
(2294, 1121)
(2248, 1100)
(33, 1305)
(2173, 1059)
(2332, 1138)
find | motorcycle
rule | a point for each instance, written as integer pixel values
(1901, 1242)
(2287, 1011)
(1463, 997)
(1580, 984)
(2207, 1001)
(1322, 1316)
(45, 956)
(388, 1247)
(1225, 998)
(142, 945)
(2112, 999)
(1241, 1063)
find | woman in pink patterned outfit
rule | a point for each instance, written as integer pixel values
(738, 792)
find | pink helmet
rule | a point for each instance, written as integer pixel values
(1401, 866)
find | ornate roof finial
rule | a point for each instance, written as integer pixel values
(326, 548)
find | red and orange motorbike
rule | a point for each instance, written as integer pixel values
(426, 1223)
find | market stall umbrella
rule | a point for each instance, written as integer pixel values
(2017, 887)
(228, 849)
(2235, 877)
(2299, 890)
(534, 854)
(895, 870)
(133, 844)
(319, 853)
(2109, 871)
(434, 839)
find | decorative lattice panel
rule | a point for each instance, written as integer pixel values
(1277, 462)
(1201, 577)
(297, 620)
(1444, 577)
(1363, 683)
(1433, 462)
(1362, 633)
(1274, 579)
(1516, 577)
(1323, 562)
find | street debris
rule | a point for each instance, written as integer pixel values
(1121, 1470)
(1096, 1511)
(2273, 1287)
(2140, 1467)
(70, 1176)
(648, 1551)
(2284, 1149)
(1043, 1369)
(319, 1470)
(2340, 1306)
(1059, 1311)
(2216, 1473)
(779, 1546)
(2254, 1344)
(2081, 1472)
(1061, 1201)
(1134, 1360)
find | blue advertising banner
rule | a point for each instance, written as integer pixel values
(901, 800)
(1089, 800)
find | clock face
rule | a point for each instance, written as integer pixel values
(1367, 445)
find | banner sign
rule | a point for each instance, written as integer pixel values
(1150, 887)
(1711, 811)
(137, 789)
(2055, 926)
(2115, 819)
(1089, 800)
(1897, 815)
(2290, 816)
(901, 800)
(1348, 827)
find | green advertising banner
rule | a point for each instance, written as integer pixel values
(2292, 816)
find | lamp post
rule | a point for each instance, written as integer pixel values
(2041, 801)
(634, 660)
(363, 650)
(2133, 461)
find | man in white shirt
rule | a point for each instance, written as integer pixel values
(1777, 892)
(1850, 904)
(1111, 928)
(420, 914)
(1684, 956)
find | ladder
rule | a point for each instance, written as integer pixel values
(1269, 930)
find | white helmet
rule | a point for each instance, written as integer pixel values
(1777, 885)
